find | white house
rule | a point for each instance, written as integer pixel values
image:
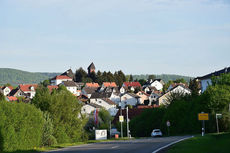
(59, 79)
(71, 86)
(154, 96)
(106, 103)
(130, 99)
(157, 83)
(206, 80)
(179, 89)
(28, 89)
(6, 90)
(89, 108)
(122, 90)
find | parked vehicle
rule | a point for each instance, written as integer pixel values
(156, 133)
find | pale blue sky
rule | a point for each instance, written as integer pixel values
(186, 37)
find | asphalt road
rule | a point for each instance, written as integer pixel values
(147, 145)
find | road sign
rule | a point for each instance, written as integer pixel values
(203, 116)
(100, 134)
(168, 123)
(121, 118)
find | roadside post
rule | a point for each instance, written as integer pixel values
(168, 125)
(121, 120)
(217, 124)
(203, 117)
(127, 115)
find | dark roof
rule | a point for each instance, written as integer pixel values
(79, 84)
(89, 90)
(91, 66)
(94, 105)
(15, 91)
(69, 83)
(109, 101)
(216, 73)
(100, 95)
(69, 73)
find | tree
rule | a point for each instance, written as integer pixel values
(64, 110)
(131, 78)
(181, 80)
(194, 87)
(151, 77)
(142, 81)
(93, 76)
(105, 119)
(46, 83)
(2, 97)
(80, 75)
(122, 76)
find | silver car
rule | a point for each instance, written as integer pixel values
(156, 133)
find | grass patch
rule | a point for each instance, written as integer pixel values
(211, 143)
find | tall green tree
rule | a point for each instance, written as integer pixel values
(80, 75)
(194, 87)
(131, 78)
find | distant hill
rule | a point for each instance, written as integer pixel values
(164, 77)
(15, 77)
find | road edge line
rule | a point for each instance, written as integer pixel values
(172, 143)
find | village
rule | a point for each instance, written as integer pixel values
(109, 95)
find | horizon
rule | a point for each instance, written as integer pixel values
(178, 37)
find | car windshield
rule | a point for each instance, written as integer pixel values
(157, 131)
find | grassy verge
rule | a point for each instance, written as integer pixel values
(211, 143)
(59, 146)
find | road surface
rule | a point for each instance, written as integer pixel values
(147, 145)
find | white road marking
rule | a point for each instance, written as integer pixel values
(171, 144)
(115, 147)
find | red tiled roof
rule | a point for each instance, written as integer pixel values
(11, 98)
(95, 85)
(61, 77)
(26, 87)
(52, 87)
(109, 84)
(132, 84)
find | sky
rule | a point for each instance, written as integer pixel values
(184, 37)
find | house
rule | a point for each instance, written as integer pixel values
(6, 90)
(69, 73)
(88, 91)
(131, 85)
(51, 88)
(92, 85)
(109, 95)
(129, 99)
(122, 90)
(109, 84)
(89, 108)
(91, 68)
(173, 85)
(153, 98)
(28, 89)
(179, 89)
(71, 86)
(206, 79)
(17, 93)
(11, 98)
(106, 103)
(157, 83)
(1, 91)
(144, 97)
(149, 89)
(59, 79)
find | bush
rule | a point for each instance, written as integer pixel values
(20, 127)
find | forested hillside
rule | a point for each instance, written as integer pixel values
(15, 77)
(164, 77)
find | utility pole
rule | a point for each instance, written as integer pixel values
(127, 115)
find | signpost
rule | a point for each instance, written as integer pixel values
(217, 125)
(168, 125)
(203, 117)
